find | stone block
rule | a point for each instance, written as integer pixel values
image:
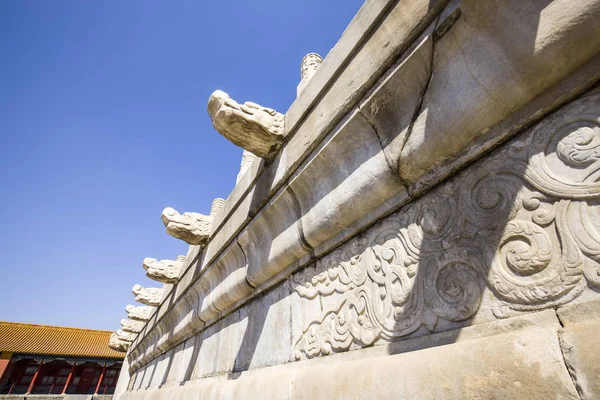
(391, 106)
(256, 335)
(344, 179)
(580, 341)
(523, 365)
(495, 59)
(364, 61)
(223, 283)
(272, 241)
(230, 227)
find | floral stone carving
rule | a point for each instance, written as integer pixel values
(166, 271)
(523, 225)
(253, 127)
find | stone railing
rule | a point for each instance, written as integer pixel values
(384, 121)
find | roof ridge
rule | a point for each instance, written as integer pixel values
(53, 326)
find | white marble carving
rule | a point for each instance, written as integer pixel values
(247, 159)
(192, 228)
(308, 67)
(140, 313)
(147, 296)
(525, 223)
(126, 336)
(215, 209)
(118, 344)
(129, 325)
(253, 127)
(166, 271)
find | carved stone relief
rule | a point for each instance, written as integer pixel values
(118, 344)
(126, 336)
(253, 127)
(147, 296)
(523, 225)
(192, 228)
(247, 159)
(166, 271)
(140, 313)
(308, 67)
(132, 326)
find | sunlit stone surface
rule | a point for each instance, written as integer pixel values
(433, 214)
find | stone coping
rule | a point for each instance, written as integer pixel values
(354, 133)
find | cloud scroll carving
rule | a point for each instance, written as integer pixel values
(523, 224)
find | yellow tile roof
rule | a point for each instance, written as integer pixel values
(55, 340)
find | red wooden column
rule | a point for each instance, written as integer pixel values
(32, 384)
(69, 378)
(100, 379)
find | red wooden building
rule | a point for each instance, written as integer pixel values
(42, 359)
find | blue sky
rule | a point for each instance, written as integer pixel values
(103, 124)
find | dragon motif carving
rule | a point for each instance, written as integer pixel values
(523, 224)
(129, 325)
(166, 271)
(118, 344)
(126, 336)
(140, 313)
(147, 296)
(253, 127)
(192, 228)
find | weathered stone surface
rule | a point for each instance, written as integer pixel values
(272, 241)
(140, 313)
(253, 127)
(579, 312)
(348, 166)
(365, 55)
(192, 228)
(401, 88)
(215, 209)
(308, 67)
(526, 365)
(539, 43)
(517, 358)
(256, 335)
(493, 227)
(580, 342)
(166, 271)
(126, 336)
(132, 326)
(118, 344)
(512, 237)
(223, 284)
(147, 296)
(247, 160)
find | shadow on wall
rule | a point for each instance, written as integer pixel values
(517, 231)
(522, 225)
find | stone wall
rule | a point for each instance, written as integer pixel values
(429, 229)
